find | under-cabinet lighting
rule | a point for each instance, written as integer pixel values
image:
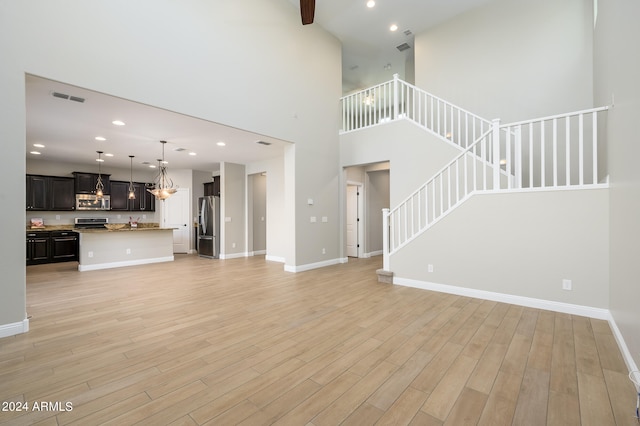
(38, 145)
(117, 123)
(34, 153)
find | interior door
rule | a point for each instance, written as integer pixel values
(175, 214)
(352, 221)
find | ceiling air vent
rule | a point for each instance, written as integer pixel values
(60, 95)
(179, 149)
(407, 33)
(403, 47)
(67, 97)
(264, 143)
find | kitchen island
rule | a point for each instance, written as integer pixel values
(114, 248)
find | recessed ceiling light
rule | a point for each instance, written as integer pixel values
(38, 145)
(393, 27)
(221, 144)
(192, 153)
(371, 3)
(34, 153)
(100, 160)
(100, 138)
(108, 155)
(152, 166)
(117, 123)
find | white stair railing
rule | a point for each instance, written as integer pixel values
(470, 171)
(545, 153)
(397, 99)
(552, 152)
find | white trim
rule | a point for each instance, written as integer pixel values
(110, 265)
(567, 308)
(233, 255)
(310, 266)
(258, 253)
(12, 329)
(372, 254)
(344, 260)
(278, 259)
(626, 353)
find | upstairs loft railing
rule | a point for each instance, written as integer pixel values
(397, 99)
(554, 152)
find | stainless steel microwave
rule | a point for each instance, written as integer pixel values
(92, 202)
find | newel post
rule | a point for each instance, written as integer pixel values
(495, 141)
(396, 87)
(385, 239)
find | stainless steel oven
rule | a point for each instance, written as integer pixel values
(92, 202)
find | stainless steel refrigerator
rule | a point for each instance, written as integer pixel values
(209, 226)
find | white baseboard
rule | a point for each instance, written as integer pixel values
(275, 259)
(373, 253)
(233, 255)
(258, 253)
(343, 260)
(12, 329)
(310, 266)
(97, 266)
(567, 308)
(626, 353)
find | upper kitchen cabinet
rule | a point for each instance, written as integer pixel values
(37, 192)
(86, 183)
(62, 193)
(144, 201)
(50, 193)
(212, 188)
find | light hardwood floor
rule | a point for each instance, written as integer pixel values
(200, 341)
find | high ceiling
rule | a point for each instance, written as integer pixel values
(369, 49)
(67, 128)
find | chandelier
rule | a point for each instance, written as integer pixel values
(132, 191)
(163, 185)
(99, 184)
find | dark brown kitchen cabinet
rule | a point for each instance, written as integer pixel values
(85, 183)
(38, 248)
(52, 246)
(212, 188)
(64, 246)
(37, 192)
(144, 201)
(119, 195)
(61, 194)
(50, 193)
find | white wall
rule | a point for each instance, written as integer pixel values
(277, 225)
(616, 65)
(414, 155)
(512, 60)
(233, 209)
(178, 56)
(521, 244)
(378, 195)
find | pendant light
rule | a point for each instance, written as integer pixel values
(99, 184)
(132, 192)
(163, 184)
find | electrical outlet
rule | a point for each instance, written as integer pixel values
(57, 217)
(233, 245)
(90, 254)
(324, 251)
(566, 284)
(128, 251)
(430, 268)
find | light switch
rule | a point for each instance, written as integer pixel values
(325, 219)
(313, 219)
(310, 201)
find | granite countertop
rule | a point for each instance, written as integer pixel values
(70, 227)
(125, 229)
